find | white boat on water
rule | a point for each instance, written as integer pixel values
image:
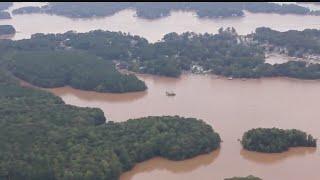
(230, 78)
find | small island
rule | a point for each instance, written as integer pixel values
(274, 140)
(250, 177)
(7, 29)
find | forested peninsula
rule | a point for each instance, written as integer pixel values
(43, 138)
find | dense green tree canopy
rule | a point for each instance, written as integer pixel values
(43, 138)
(272, 140)
(225, 53)
(296, 42)
(6, 29)
(27, 10)
(162, 9)
(77, 69)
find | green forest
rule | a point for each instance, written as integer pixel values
(4, 6)
(6, 29)
(43, 138)
(89, 61)
(80, 70)
(274, 140)
(225, 53)
(296, 42)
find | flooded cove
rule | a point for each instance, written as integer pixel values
(231, 107)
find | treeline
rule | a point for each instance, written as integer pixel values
(273, 140)
(43, 138)
(221, 52)
(7, 29)
(259, 7)
(27, 10)
(162, 9)
(225, 53)
(5, 15)
(295, 42)
(3, 7)
(80, 70)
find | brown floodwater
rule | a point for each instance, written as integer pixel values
(231, 107)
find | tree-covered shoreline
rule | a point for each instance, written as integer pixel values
(51, 69)
(7, 29)
(157, 10)
(43, 138)
(225, 53)
(4, 6)
(292, 42)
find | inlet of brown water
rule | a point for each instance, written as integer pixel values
(231, 107)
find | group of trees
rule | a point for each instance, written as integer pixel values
(4, 15)
(3, 7)
(221, 52)
(162, 9)
(27, 10)
(273, 140)
(78, 69)
(7, 29)
(265, 7)
(225, 53)
(295, 42)
(43, 138)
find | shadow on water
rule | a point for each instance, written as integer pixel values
(96, 96)
(270, 158)
(90, 95)
(159, 163)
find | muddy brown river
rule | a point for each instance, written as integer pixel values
(231, 107)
